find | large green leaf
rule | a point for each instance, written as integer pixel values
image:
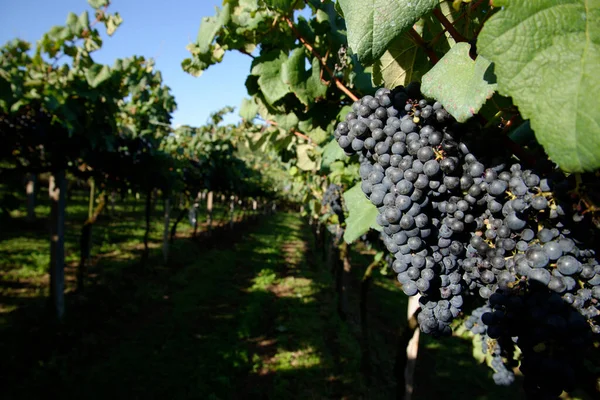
(459, 83)
(362, 214)
(268, 68)
(546, 55)
(210, 26)
(373, 25)
(306, 85)
(402, 63)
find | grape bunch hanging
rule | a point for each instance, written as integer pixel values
(464, 219)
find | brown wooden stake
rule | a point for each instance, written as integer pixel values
(57, 190)
(412, 349)
(209, 210)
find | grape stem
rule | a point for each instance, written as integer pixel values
(322, 60)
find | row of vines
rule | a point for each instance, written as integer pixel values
(66, 117)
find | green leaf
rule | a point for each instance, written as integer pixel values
(332, 152)
(343, 112)
(546, 55)
(210, 26)
(98, 3)
(361, 77)
(307, 159)
(268, 69)
(72, 22)
(112, 23)
(83, 21)
(318, 135)
(362, 214)
(248, 109)
(459, 83)
(402, 63)
(96, 74)
(92, 43)
(286, 121)
(306, 85)
(373, 25)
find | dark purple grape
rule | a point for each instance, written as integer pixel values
(568, 265)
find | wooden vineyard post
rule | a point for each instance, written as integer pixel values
(412, 349)
(209, 210)
(57, 190)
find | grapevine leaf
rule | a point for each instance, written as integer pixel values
(201, 61)
(83, 21)
(402, 63)
(268, 69)
(96, 74)
(373, 25)
(332, 152)
(112, 23)
(459, 83)
(72, 23)
(248, 109)
(286, 121)
(343, 112)
(306, 85)
(210, 26)
(362, 214)
(361, 77)
(546, 55)
(327, 14)
(318, 135)
(98, 3)
(307, 159)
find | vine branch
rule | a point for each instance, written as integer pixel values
(246, 53)
(295, 132)
(421, 43)
(322, 60)
(448, 25)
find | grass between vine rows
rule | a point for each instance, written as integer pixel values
(249, 313)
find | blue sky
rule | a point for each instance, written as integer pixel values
(151, 28)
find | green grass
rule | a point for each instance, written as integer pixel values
(234, 321)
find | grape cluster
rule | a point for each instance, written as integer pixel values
(332, 199)
(474, 323)
(463, 218)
